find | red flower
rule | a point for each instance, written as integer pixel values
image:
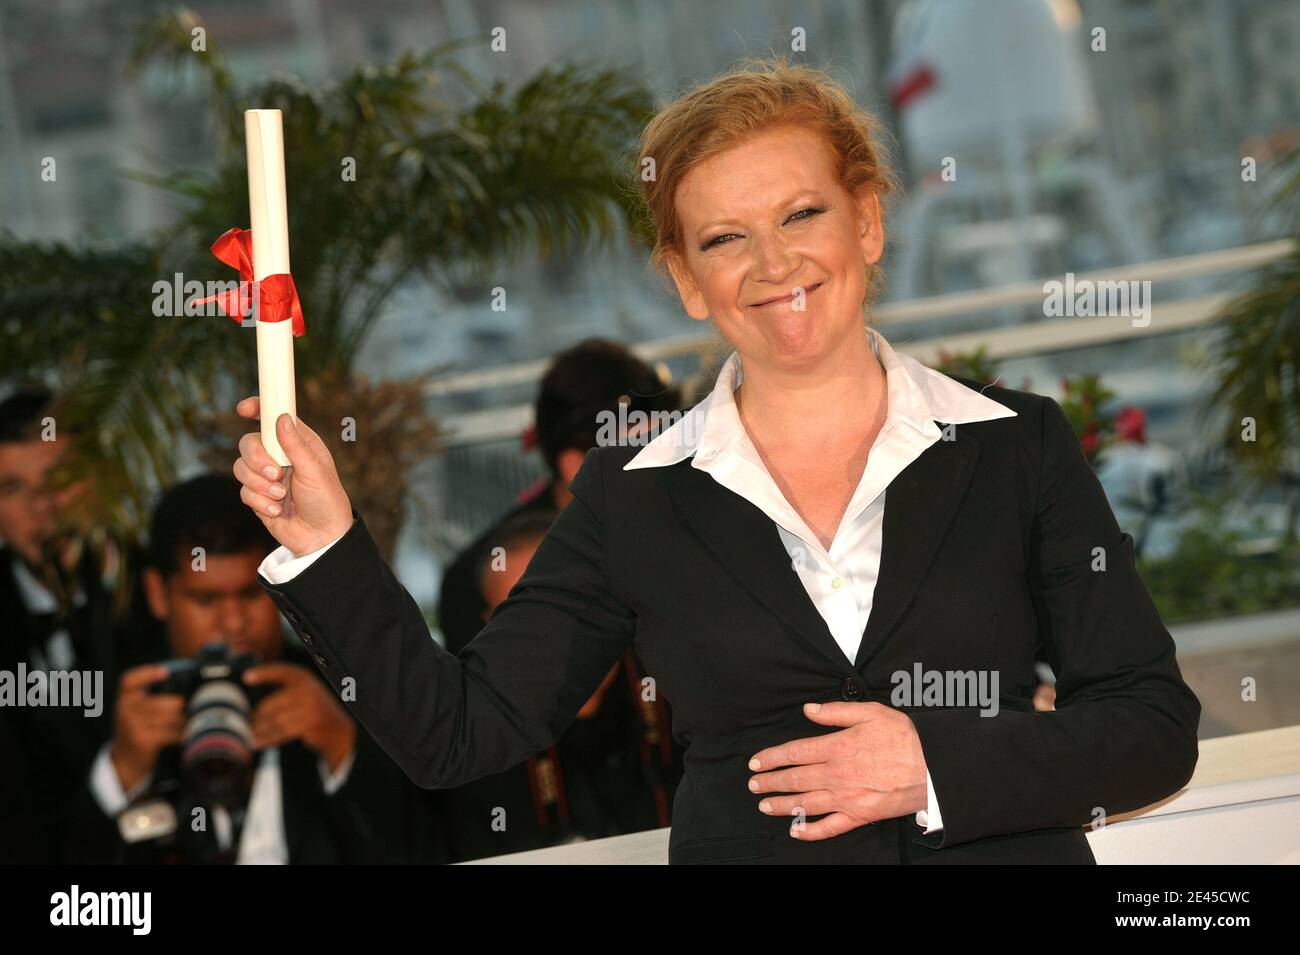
(1131, 425)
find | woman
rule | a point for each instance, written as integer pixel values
(852, 679)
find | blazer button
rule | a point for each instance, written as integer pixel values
(850, 689)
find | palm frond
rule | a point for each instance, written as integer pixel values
(450, 174)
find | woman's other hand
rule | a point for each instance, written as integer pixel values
(871, 769)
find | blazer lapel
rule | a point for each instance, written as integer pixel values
(920, 504)
(745, 541)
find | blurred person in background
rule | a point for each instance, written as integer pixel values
(320, 792)
(581, 383)
(55, 615)
(613, 771)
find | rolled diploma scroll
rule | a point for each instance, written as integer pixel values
(269, 219)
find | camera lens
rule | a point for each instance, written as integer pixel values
(217, 748)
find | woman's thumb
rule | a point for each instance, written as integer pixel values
(292, 435)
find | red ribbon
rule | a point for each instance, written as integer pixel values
(277, 297)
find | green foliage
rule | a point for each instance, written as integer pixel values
(453, 178)
(1083, 397)
(1255, 363)
(82, 321)
(1208, 575)
(975, 364)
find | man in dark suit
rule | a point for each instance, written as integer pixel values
(321, 792)
(583, 382)
(614, 770)
(55, 615)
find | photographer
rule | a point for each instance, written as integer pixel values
(316, 790)
(56, 614)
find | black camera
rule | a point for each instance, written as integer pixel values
(216, 758)
(196, 810)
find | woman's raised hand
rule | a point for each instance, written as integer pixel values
(315, 510)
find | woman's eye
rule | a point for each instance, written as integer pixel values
(722, 239)
(806, 213)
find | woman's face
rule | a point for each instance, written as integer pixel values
(774, 249)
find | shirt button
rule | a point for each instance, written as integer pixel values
(837, 583)
(322, 662)
(850, 690)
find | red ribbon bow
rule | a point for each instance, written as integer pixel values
(277, 297)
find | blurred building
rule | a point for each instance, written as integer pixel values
(1165, 111)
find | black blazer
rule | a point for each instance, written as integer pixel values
(460, 598)
(46, 751)
(989, 548)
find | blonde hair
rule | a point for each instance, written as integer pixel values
(753, 97)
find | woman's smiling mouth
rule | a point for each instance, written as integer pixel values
(788, 297)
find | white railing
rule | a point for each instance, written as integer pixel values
(1029, 338)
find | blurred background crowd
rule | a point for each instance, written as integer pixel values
(468, 254)
(217, 741)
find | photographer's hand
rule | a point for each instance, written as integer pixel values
(144, 725)
(304, 709)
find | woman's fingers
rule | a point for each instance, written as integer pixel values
(250, 408)
(836, 824)
(254, 454)
(259, 475)
(257, 483)
(796, 779)
(260, 503)
(816, 803)
(318, 512)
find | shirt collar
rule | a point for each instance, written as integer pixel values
(36, 596)
(918, 397)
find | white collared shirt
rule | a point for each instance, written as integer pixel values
(262, 840)
(841, 579)
(57, 652)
